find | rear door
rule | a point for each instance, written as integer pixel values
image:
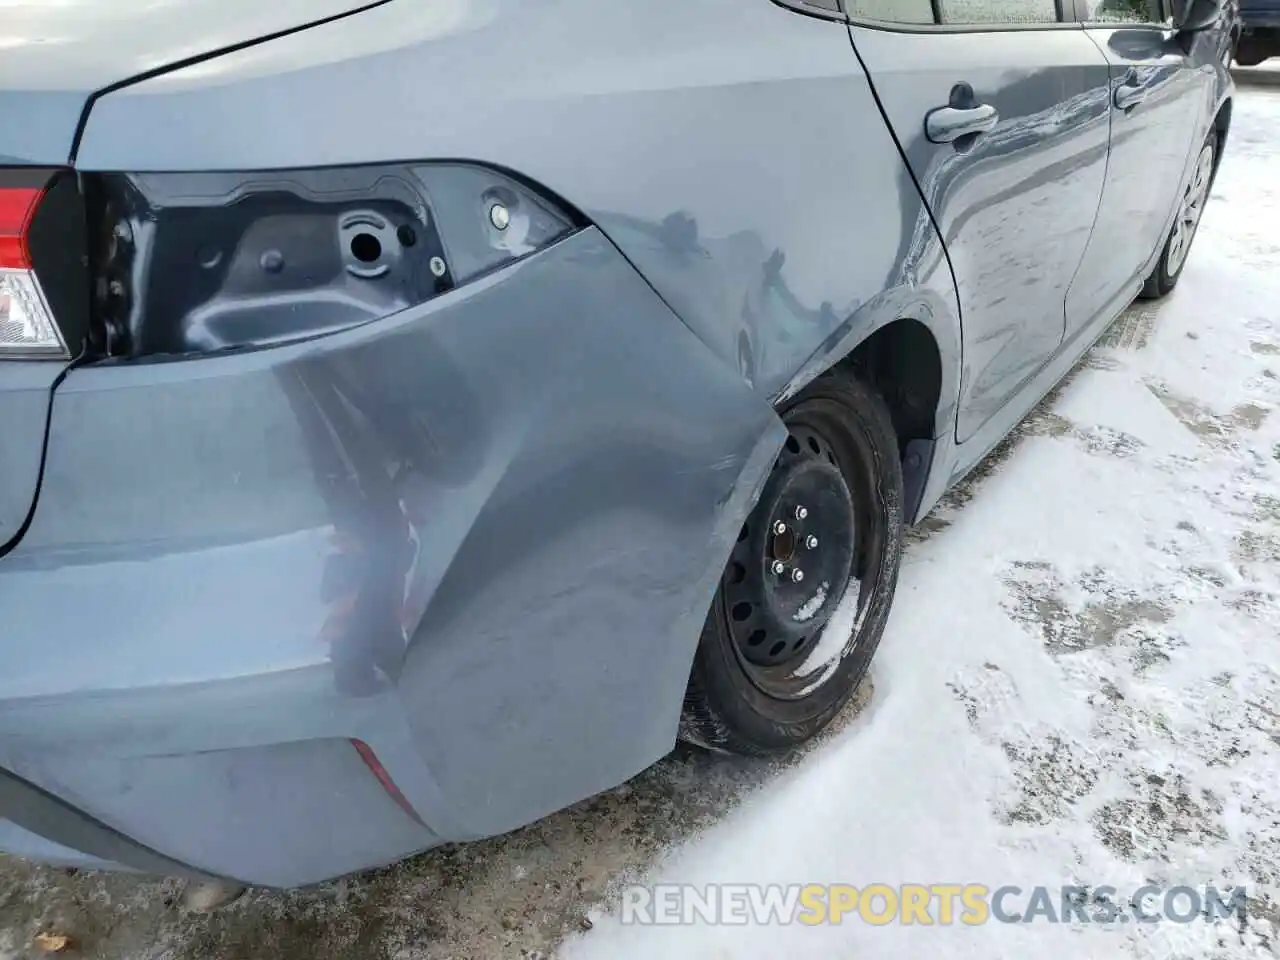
(1159, 98)
(1001, 108)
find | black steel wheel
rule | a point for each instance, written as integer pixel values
(807, 588)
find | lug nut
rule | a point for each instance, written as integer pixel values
(499, 216)
(797, 575)
(811, 542)
(779, 528)
(779, 567)
(801, 513)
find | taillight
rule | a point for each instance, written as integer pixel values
(27, 327)
(17, 209)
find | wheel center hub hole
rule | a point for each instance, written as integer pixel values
(784, 545)
(794, 556)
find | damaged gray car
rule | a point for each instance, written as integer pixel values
(416, 416)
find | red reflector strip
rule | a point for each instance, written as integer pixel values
(380, 772)
(17, 208)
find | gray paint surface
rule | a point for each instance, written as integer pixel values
(526, 606)
(1150, 156)
(56, 55)
(25, 390)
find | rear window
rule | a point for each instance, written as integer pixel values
(891, 11)
(977, 12)
(999, 11)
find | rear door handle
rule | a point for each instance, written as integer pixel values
(1129, 93)
(962, 117)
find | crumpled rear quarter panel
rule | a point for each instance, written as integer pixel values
(480, 536)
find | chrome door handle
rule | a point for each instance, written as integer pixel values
(1130, 93)
(963, 116)
(947, 124)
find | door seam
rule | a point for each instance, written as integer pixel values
(1106, 173)
(937, 229)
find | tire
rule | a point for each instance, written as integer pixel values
(767, 696)
(1255, 49)
(1173, 258)
(1248, 57)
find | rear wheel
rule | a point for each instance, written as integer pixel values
(804, 598)
(1256, 48)
(1190, 209)
(1247, 56)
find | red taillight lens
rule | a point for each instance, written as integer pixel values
(27, 327)
(17, 209)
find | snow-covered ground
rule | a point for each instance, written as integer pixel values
(1080, 683)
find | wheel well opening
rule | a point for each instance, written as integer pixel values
(1222, 126)
(902, 362)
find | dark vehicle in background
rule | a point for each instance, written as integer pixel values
(1259, 33)
(415, 416)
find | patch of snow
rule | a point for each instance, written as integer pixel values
(836, 633)
(813, 604)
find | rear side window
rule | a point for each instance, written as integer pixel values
(999, 11)
(1007, 13)
(891, 11)
(1123, 11)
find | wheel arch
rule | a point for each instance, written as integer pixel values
(907, 345)
(1222, 127)
(903, 362)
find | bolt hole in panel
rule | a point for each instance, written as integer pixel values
(366, 248)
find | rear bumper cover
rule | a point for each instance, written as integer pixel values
(480, 536)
